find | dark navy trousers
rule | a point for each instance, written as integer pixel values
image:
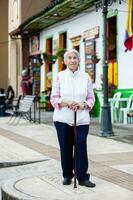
(65, 135)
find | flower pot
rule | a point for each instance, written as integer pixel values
(95, 60)
(51, 62)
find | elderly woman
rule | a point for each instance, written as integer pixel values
(72, 91)
(25, 82)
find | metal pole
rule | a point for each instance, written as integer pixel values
(75, 145)
(106, 125)
(39, 111)
(35, 110)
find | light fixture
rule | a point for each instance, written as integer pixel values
(55, 14)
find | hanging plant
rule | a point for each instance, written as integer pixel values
(95, 59)
(61, 52)
(51, 59)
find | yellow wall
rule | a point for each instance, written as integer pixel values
(113, 73)
(3, 44)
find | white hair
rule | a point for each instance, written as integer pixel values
(71, 51)
(24, 72)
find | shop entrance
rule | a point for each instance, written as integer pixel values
(62, 45)
(48, 66)
(48, 74)
(112, 53)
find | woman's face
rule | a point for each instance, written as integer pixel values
(72, 61)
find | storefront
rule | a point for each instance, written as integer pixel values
(84, 32)
(35, 63)
(88, 40)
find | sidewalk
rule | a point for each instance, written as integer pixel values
(111, 164)
(123, 133)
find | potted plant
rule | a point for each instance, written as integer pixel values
(61, 52)
(51, 59)
(95, 59)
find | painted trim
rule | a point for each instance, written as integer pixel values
(59, 34)
(62, 31)
(48, 37)
(112, 13)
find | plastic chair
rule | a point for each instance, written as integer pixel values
(125, 111)
(100, 97)
(43, 100)
(115, 107)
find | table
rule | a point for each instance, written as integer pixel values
(2, 104)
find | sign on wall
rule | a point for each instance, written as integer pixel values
(35, 43)
(76, 40)
(89, 37)
(92, 33)
(90, 67)
(55, 46)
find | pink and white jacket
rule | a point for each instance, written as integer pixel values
(72, 87)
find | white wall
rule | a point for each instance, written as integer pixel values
(125, 59)
(77, 25)
(14, 46)
(14, 14)
(74, 28)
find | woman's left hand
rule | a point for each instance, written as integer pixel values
(81, 106)
(74, 106)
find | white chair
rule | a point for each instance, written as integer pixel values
(126, 110)
(115, 107)
(100, 97)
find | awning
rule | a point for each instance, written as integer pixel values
(54, 13)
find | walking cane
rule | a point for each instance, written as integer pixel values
(75, 145)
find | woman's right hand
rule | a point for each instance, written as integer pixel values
(67, 103)
(73, 105)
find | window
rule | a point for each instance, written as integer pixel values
(62, 45)
(48, 67)
(111, 35)
(112, 52)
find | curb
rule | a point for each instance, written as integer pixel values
(13, 164)
(8, 192)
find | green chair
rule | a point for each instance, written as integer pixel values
(43, 100)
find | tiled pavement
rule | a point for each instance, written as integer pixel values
(111, 165)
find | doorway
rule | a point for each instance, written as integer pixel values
(62, 45)
(112, 53)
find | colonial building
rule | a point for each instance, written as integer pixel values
(3, 44)
(78, 24)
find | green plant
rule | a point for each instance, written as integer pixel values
(95, 59)
(49, 58)
(61, 52)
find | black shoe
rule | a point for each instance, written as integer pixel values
(87, 183)
(67, 181)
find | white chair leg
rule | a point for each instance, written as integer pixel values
(120, 116)
(112, 115)
(117, 113)
(100, 115)
(125, 117)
